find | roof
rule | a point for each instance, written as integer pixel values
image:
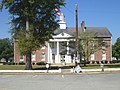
(98, 31)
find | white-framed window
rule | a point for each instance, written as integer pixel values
(103, 55)
(33, 56)
(103, 44)
(22, 58)
(92, 56)
(43, 55)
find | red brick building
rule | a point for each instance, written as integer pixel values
(51, 52)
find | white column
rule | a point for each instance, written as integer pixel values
(68, 57)
(67, 47)
(48, 53)
(58, 52)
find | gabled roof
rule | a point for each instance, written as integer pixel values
(98, 31)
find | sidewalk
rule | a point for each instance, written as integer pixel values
(64, 71)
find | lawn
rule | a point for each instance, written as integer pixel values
(18, 67)
(42, 67)
(105, 66)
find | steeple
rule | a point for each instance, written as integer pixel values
(62, 22)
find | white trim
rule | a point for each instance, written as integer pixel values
(103, 56)
(61, 40)
(62, 35)
(48, 53)
(67, 47)
(57, 53)
(92, 57)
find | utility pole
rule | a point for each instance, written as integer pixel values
(76, 36)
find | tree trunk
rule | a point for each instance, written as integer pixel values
(28, 55)
(28, 61)
(85, 62)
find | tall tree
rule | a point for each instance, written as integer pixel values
(33, 23)
(116, 49)
(88, 44)
(6, 49)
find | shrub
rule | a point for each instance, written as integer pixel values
(93, 62)
(88, 62)
(40, 63)
(21, 63)
(106, 62)
(8, 63)
(97, 62)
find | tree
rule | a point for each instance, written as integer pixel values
(88, 44)
(116, 49)
(33, 23)
(6, 49)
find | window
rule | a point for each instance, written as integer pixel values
(33, 56)
(21, 58)
(103, 44)
(92, 45)
(43, 55)
(53, 56)
(92, 56)
(103, 55)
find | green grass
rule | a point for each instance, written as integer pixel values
(98, 66)
(42, 67)
(12, 67)
(18, 67)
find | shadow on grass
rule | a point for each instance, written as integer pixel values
(113, 66)
(44, 68)
(53, 67)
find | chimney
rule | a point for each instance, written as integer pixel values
(83, 26)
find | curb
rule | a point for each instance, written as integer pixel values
(71, 71)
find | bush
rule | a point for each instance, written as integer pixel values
(21, 63)
(88, 62)
(102, 62)
(106, 62)
(93, 62)
(97, 62)
(40, 63)
(115, 61)
(8, 63)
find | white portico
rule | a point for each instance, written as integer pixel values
(55, 45)
(55, 48)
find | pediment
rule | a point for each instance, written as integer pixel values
(62, 35)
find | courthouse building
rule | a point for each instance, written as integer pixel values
(51, 52)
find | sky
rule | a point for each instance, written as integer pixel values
(95, 13)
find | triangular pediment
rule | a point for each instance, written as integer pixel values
(62, 35)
